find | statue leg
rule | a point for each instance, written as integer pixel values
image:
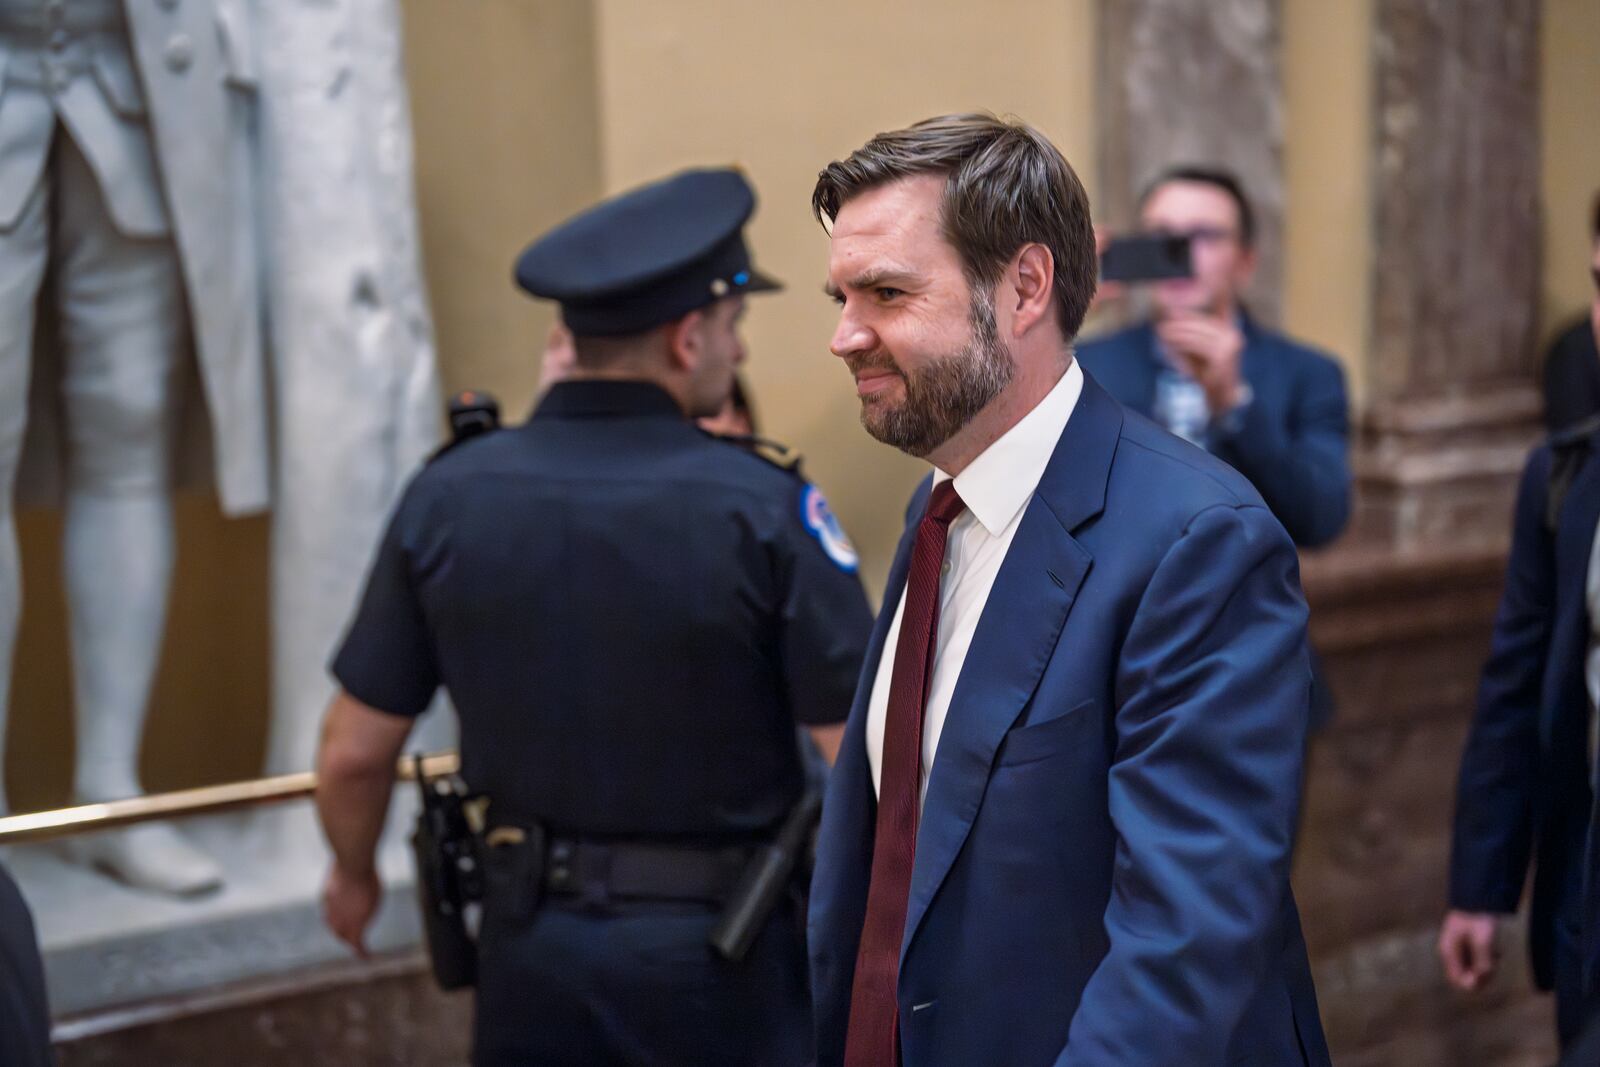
(123, 323)
(24, 250)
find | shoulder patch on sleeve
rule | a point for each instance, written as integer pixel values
(821, 523)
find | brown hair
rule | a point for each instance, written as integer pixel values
(1006, 186)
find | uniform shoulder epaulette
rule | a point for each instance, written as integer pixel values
(450, 445)
(1569, 451)
(781, 456)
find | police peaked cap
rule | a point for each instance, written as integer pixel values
(648, 256)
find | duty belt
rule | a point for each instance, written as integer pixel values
(597, 871)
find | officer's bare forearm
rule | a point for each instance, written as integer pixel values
(355, 778)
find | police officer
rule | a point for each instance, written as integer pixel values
(629, 617)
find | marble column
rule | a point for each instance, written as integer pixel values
(1184, 82)
(1452, 403)
(1402, 608)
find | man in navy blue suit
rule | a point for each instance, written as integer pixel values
(1525, 793)
(1058, 830)
(1272, 408)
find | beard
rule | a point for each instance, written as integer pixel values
(944, 394)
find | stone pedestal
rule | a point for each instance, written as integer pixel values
(1402, 636)
(112, 952)
(387, 1011)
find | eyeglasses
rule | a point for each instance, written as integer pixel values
(1208, 235)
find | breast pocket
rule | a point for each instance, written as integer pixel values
(1041, 740)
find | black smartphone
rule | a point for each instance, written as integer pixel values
(1146, 257)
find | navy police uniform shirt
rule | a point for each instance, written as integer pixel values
(628, 614)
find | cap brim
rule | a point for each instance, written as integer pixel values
(760, 283)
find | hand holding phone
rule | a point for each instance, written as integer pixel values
(1146, 257)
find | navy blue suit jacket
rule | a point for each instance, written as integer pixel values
(1524, 790)
(1102, 866)
(1291, 440)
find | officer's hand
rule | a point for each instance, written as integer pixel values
(348, 904)
(1210, 349)
(1467, 948)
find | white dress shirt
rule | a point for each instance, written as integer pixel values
(996, 488)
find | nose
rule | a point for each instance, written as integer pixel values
(851, 335)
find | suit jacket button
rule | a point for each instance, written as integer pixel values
(180, 53)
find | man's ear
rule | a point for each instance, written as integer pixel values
(1246, 270)
(685, 341)
(1031, 282)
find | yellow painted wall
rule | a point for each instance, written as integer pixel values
(782, 89)
(1327, 158)
(1570, 125)
(507, 145)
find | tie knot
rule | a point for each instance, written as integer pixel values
(945, 503)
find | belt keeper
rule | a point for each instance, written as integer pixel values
(505, 835)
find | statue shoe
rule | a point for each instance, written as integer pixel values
(151, 856)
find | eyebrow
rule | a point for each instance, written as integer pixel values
(870, 279)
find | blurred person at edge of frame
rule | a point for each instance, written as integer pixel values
(630, 617)
(1572, 366)
(737, 418)
(24, 1009)
(1272, 408)
(1525, 793)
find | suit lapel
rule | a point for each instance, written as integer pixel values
(1016, 637)
(855, 739)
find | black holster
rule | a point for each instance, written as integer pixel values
(449, 879)
(513, 871)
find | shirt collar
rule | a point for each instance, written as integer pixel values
(599, 397)
(998, 484)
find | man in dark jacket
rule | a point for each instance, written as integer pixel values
(1524, 793)
(1273, 409)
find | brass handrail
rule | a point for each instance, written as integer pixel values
(208, 799)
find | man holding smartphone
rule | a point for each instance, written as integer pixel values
(1272, 408)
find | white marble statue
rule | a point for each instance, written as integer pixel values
(179, 178)
(126, 221)
(353, 362)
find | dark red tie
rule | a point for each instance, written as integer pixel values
(872, 1038)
